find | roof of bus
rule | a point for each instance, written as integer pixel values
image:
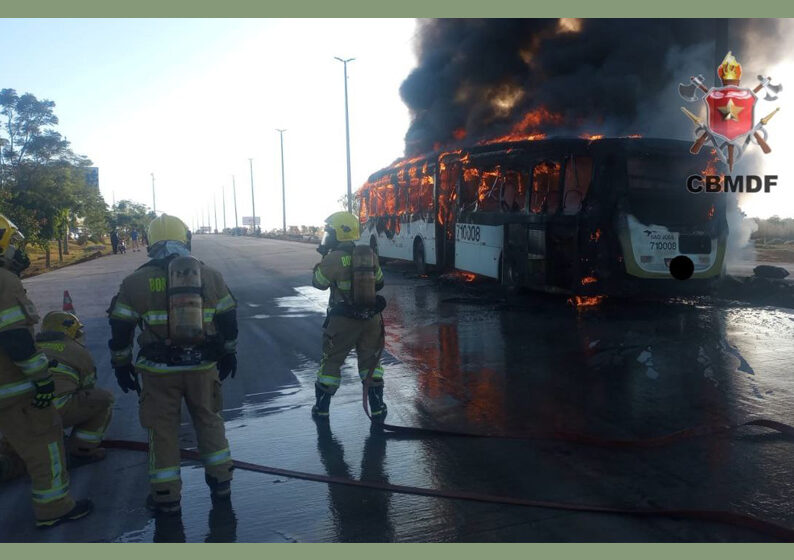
(599, 146)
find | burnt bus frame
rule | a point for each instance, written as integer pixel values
(571, 247)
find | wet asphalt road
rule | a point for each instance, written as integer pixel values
(464, 358)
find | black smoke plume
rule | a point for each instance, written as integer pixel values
(479, 78)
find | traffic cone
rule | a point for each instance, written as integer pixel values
(67, 302)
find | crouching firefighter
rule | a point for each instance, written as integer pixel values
(29, 423)
(354, 313)
(82, 406)
(188, 341)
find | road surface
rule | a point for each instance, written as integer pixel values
(459, 357)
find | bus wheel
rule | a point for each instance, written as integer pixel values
(419, 257)
(373, 244)
(509, 273)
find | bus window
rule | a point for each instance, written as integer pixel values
(514, 191)
(545, 187)
(578, 172)
(363, 210)
(489, 191)
(420, 193)
(469, 188)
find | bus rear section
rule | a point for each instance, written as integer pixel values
(658, 219)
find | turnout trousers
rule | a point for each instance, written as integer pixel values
(160, 412)
(89, 411)
(36, 435)
(342, 335)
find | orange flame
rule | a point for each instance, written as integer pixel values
(591, 136)
(523, 130)
(459, 134)
(585, 301)
(589, 280)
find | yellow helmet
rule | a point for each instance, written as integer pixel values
(63, 322)
(344, 225)
(12, 254)
(167, 228)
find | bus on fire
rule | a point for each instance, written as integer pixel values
(565, 215)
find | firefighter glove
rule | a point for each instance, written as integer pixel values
(45, 391)
(227, 366)
(127, 379)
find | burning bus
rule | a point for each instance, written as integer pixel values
(583, 216)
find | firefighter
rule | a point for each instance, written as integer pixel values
(28, 421)
(354, 313)
(82, 407)
(188, 340)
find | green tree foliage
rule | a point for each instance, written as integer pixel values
(127, 215)
(43, 186)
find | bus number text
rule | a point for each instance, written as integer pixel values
(663, 245)
(468, 233)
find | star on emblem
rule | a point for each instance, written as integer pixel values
(731, 111)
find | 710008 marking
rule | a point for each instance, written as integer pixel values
(466, 232)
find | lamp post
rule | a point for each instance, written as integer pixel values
(234, 195)
(347, 136)
(253, 206)
(154, 201)
(281, 132)
(223, 196)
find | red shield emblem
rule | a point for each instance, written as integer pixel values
(731, 111)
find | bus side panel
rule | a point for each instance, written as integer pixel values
(478, 248)
(401, 244)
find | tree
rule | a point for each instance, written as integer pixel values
(43, 184)
(356, 203)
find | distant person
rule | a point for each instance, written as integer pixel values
(114, 241)
(134, 238)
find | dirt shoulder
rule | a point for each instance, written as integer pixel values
(77, 254)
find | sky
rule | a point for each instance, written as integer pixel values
(190, 100)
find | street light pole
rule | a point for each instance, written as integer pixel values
(215, 211)
(234, 195)
(253, 206)
(223, 196)
(347, 136)
(281, 132)
(154, 201)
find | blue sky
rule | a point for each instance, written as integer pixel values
(191, 100)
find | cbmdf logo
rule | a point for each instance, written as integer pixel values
(730, 126)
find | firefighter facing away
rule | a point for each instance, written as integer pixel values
(82, 406)
(354, 313)
(188, 340)
(28, 421)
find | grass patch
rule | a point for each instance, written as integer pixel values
(77, 254)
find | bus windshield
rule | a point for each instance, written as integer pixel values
(657, 192)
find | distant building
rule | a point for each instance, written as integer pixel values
(92, 177)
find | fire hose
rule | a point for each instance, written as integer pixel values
(741, 520)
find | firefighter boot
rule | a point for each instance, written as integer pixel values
(320, 409)
(163, 508)
(377, 407)
(219, 491)
(81, 509)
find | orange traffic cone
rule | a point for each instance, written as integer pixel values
(67, 302)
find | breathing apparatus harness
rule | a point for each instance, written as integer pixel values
(186, 344)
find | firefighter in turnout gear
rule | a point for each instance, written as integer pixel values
(188, 341)
(82, 407)
(28, 421)
(354, 313)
